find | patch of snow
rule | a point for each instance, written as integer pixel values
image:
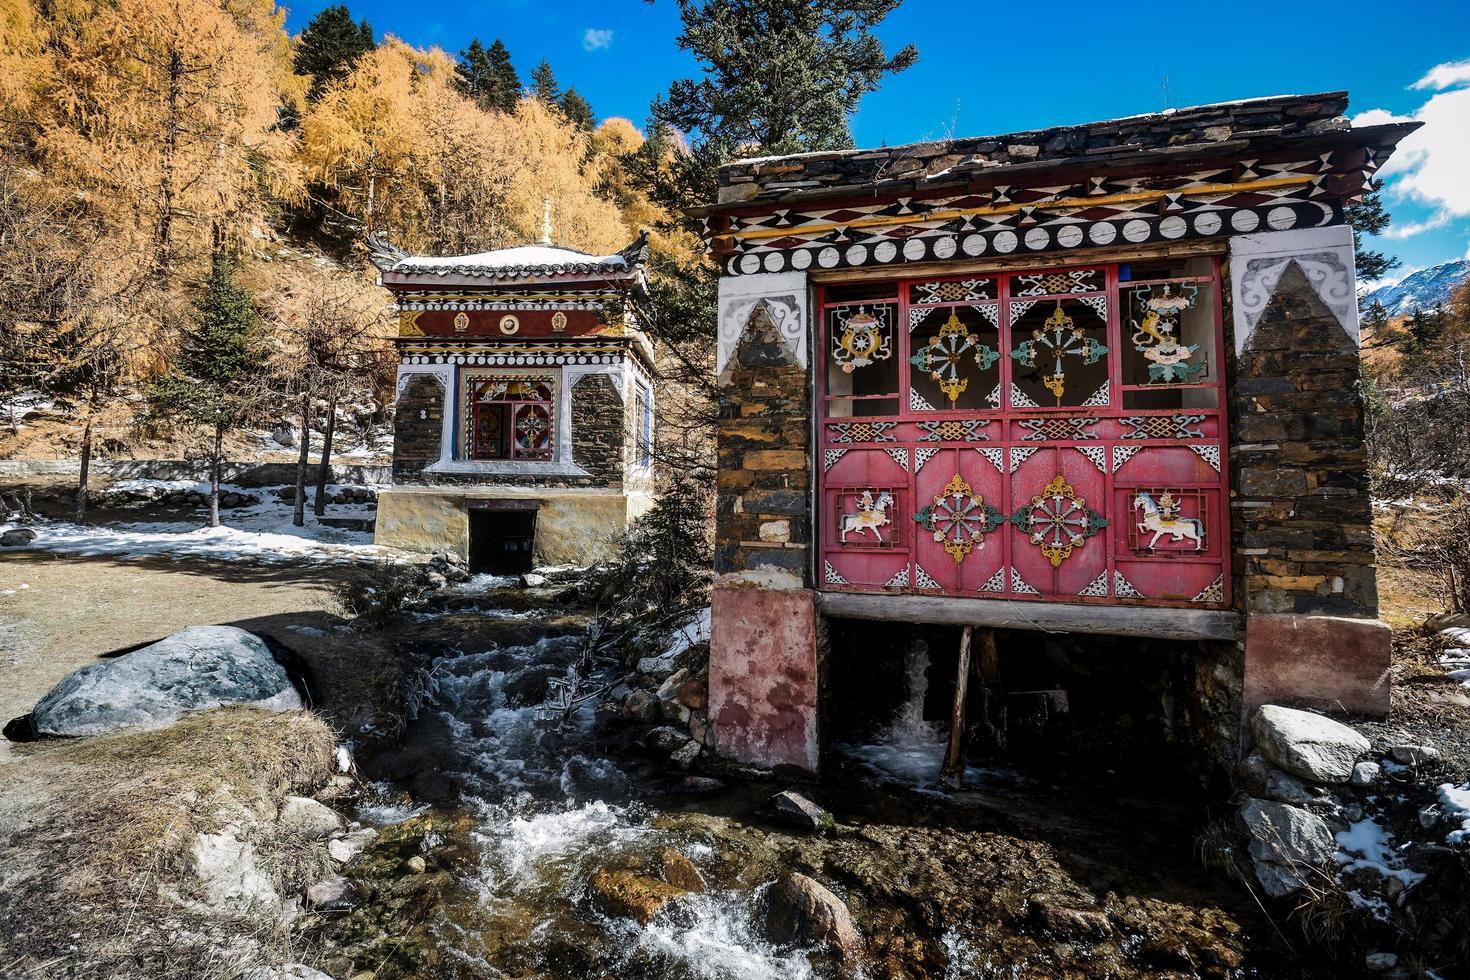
(1367, 845)
(259, 532)
(344, 759)
(520, 257)
(695, 631)
(1456, 803)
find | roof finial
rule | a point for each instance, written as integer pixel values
(546, 223)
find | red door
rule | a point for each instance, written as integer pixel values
(1052, 435)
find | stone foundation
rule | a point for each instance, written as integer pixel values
(1326, 663)
(573, 527)
(764, 677)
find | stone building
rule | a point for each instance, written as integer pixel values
(1100, 379)
(525, 414)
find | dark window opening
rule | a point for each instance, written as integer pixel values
(502, 542)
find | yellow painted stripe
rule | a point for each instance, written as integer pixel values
(1077, 203)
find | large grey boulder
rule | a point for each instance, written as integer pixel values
(197, 668)
(1285, 841)
(309, 818)
(1306, 744)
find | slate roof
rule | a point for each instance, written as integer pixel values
(1240, 129)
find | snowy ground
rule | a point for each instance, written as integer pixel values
(259, 533)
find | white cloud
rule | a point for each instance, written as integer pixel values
(595, 39)
(1437, 220)
(1443, 76)
(1429, 166)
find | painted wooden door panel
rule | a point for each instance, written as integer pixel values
(1034, 436)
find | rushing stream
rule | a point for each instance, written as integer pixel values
(544, 809)
(513, 803)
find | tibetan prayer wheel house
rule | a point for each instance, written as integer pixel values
(1098, 379)
(524, 423)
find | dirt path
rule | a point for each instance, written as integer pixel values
(64, 611)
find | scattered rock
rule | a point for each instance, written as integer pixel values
(1306, 744)
(309, 818)
(344, 849)
(684, 755)
(795, 909)
(17, 537)
(332, 894)
(665, 740)
(194, 669)
(679, 871)
(530, 685)
(1380, 962)
(284, 435)
(796, 810)
(670, 687)
(225, 866)
(531, 580)
(1261, 779)
(686, 786)
(1283, 838)
(1365, 774)
(641, 706)
(1413, 755)
(694, 693)
(624, 894)
(415, 865)
(656, 667)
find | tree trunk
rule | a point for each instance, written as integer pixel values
(86, 466)
(319, 506)
(166, 191)
(214, 469)
(298, 516)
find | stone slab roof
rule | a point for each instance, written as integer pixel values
(1241, 129)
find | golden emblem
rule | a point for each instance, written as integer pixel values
(509, 324)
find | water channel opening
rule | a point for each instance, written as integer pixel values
(1061, 701)
(502, 540)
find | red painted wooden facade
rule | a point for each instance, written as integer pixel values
(1054, 435)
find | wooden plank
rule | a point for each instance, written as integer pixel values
(953, 769)
(1163, 624)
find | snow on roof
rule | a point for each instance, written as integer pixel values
(520, 258)
(509, 263)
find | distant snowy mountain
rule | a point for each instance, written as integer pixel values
(1421, 291)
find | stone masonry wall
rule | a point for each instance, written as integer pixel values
(416, 426)
(598, 429)
(763, 499)
(1302, 512)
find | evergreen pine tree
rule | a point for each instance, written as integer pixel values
(473, 72)
(329, 46)
(1369, 217)
(212, 380)
(504, 89)
(543, 84)
(577, 110)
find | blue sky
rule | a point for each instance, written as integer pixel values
(994, 69)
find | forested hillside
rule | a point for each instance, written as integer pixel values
(141, 143)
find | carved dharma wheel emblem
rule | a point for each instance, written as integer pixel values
(1058, 520)
(959, 518)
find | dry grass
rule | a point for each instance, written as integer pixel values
(96, 869)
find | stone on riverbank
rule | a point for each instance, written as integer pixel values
(795, 909)
(194, 669)
(796, 810)
(17, 537)
(309, 818)
(1306, 744)
(1284, 839)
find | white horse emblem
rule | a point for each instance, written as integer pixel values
(871, 515)
(1162, 517)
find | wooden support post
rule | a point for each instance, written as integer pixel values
(952, 774)
(991, 705)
